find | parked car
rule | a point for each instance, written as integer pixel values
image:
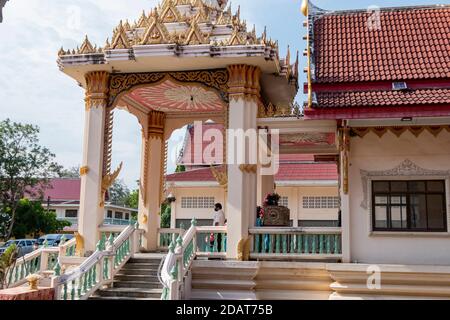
(53, 240)
(25, 246)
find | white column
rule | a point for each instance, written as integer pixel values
(242, 182)
(151, 179)
(345, 197)
(91, 200)
(266, 185)
(173, 215)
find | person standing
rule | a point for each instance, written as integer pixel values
(218, 221)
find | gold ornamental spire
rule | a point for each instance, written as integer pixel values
(304, 8)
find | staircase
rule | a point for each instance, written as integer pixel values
(137, 280)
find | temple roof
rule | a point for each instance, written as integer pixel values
(292, 171)
(383, 98)
(411, 43)
(382, 61)
(183, 28)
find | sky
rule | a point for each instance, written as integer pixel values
(33, 90)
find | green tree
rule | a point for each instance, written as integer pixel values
(119, 193)
(180, 168)
(165, 215)
(25, 168)
(7, 260)
(72, 172)
(33, 220)
(133, 199)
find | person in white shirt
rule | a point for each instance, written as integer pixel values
(218, 221)
(219, 216)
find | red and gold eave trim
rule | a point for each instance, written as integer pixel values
(341, 113)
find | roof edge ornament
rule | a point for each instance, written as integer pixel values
(309, 8)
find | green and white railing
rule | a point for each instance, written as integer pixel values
(212, 242)
(296, 243)
(39, 261)
(183, 252)
(167, 236)
(67, 248)
(117, 222)
(99, 269)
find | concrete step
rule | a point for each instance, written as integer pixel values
(136, 277)
(235, 285)
(138, 284)
(130, 293)
(147, 266)
(145, 261)
(206, 294)
(123, 298)
(141, 272)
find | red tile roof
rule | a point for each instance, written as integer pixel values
(412, 43)
(193, 150)
(296, 157)
(287, 172)
(307, 171)
(196, 175)
(63, 189)
(383, 98)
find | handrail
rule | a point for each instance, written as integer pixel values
(167, 235)
(67, 248)
(321, 243)
(182, 253)
(33, 262)
(294, 230)
(99, 269)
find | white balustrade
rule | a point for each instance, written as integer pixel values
(166, 236)
(100, 268)
(196, 242)
(296, 243)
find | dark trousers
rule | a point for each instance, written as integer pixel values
(219, 242)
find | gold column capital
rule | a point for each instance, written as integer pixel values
(156, 124)
(244, 82)
(97, 89)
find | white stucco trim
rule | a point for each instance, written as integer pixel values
(194, 184)
(407, 170)
(307, 183)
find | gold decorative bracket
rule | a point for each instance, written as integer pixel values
(108, 181)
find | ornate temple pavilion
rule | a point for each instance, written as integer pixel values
(378, 110)
(178, 63)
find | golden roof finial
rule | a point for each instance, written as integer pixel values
(61, 52)
(107, 45)
(305, 7)
(86, 47)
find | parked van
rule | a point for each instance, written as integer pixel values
(25, 246)
(53, 240)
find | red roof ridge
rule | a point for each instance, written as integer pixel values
(383, 9)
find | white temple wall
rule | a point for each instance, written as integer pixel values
(181, 213)
(372, 153)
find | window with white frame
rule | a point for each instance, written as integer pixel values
(320, 202)
(284, 202)
(197, 202)
(71, 213)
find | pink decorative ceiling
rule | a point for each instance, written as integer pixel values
(169, 96)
